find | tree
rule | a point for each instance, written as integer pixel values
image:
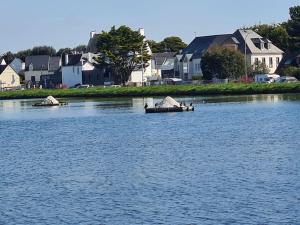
(155, 46)
(291, 71)
(293, 28)
(221, 62)
(259, 68)
(172, 44)
(43, 50)
(276, 33)
(123, 50)
(80, 48)
(23, 54)
(64, 51)
(8, 57)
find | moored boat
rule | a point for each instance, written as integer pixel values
(50, 101)
(169, 105)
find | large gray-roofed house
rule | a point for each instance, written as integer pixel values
(258, 49)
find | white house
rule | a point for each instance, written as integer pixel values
(258, 49)
(8, 77)
(74, 67)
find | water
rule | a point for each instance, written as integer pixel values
(235, 160)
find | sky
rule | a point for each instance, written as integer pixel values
(67, 23)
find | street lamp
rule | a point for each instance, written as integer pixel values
(142, 51)
(246, 65)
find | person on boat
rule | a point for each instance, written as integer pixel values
(146, 106)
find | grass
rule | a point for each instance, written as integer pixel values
(188, 90)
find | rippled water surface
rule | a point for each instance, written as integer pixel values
(235, 160)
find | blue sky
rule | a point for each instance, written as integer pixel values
(67, 23)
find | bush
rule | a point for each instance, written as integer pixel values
(222, 63)
(292, 72)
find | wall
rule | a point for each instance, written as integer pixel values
(36, 74)
(9, 78)
(267, 57)
(71, 75)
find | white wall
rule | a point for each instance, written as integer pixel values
(71, 75)
(9, 78)
(267, 58)
(36, 74)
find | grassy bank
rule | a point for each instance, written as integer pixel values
(216, 89)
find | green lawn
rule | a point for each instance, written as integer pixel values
(188, 90)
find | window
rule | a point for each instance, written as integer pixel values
(277, 61)
(271, 62)
(264, 61)
(77, 70)
(256, 61)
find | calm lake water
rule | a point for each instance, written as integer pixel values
(235, 160)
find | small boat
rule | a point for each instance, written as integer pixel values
(49, 102)
(169, 105)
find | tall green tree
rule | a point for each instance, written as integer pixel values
(169, 44)
(172, 44)
(277, 33)
(123, 50)
(220, 62)
(43, 50)
(293, 28)
(80, 48)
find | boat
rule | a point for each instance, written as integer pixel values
(169, 105)
(49, 102)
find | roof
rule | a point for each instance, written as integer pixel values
(2, 68)
(92, 45)
(201, 44)
(251, 39)
(74, 60)
(39, 62)
(168, 64)
(54, 63)
(161, 58)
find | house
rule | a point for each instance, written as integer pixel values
(258, 49)
(138, 76)
(163, 64)
(41, 65)
(81, 69)
(8, 77)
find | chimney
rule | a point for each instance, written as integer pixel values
(92, 34)
(89, 57)
(142, 31)
(66, 59)
(3, 63)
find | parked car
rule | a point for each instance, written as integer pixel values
(287, 80)
(266, 78)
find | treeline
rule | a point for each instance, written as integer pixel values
(42, 50)
(285, 35)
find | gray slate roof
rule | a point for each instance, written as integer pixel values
(54, 63)
(200, 45)
(39, 62)
(91, 47)
(2, 68)
(161, 58)
(252, 38)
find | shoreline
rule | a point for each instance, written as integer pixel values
(175, 91)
